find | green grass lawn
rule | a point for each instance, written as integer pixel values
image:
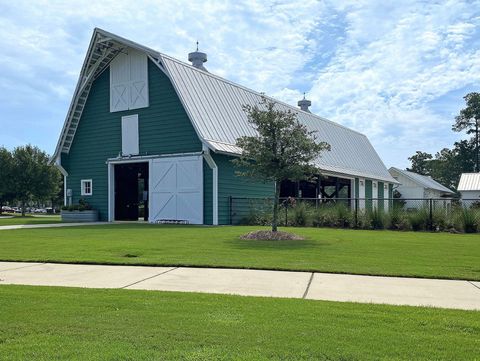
(28, 219)
(439, 255)
(47, 323)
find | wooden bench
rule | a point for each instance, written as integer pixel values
(171, 221)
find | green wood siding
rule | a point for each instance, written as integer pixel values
(368, 194)
(390, 194)
(230, 185)
(207, 194)
(381, 204)
(164, 128)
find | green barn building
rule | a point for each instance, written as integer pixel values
(148, 135)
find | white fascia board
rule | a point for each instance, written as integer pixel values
(211, 163)
(58, 164)
(76, 94)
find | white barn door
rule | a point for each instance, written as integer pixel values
(176, 189)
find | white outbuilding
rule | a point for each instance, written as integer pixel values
(469, 186)
(416, 187)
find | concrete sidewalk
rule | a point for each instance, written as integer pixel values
(314, 286)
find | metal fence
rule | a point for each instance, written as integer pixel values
(435, 214)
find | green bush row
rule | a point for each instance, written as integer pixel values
(81, 206)
(458, 219)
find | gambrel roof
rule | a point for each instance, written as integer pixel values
(423, 180)
(214, 106)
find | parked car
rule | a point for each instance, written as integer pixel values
(7, 209)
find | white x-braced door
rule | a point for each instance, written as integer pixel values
(176, 189)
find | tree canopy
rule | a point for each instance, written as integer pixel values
(282, 149)
(469, 120)
(448, 164)
(6, 164)
(26, 175)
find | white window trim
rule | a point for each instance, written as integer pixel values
(82, 187)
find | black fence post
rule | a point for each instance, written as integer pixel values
(230, 203)
(430, 215)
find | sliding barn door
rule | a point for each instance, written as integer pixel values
(176, 189)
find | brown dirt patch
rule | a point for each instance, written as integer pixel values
(272, 236)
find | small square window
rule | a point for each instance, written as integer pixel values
(86, 187)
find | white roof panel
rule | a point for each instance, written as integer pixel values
(215, 106)
(469, 182)
(423, 180)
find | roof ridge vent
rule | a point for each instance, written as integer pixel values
(304, 104)
(197, 58)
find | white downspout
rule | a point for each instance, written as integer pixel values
(211, 163)
(58, 164)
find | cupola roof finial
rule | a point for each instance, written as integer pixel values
(304, 103)
(198, 58)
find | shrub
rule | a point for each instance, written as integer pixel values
(81, 206)
(300, 214)
(419, 219)
(440, 220)
(324, 217)
(378, 219)
(344, 215)
(332, 215)
(467, 220)
(397, 220)
(258, 214)
(364, 221)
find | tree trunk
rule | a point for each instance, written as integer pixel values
(275, 207)
(23, 208)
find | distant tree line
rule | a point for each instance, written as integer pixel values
(27, 177)
(448, 164)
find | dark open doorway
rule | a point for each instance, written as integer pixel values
(131, 191)
(323, 187)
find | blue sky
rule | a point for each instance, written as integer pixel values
(395, 71)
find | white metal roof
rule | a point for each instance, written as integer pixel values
(469, 182)
(214, 106)
(422, 180)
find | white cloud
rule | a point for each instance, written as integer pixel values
(392, 63)
(371, 65)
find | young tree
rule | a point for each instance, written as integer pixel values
(469, 120)
(282, 149)
(34, 177)
(6, 193)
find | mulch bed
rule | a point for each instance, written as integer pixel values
(272, 236)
